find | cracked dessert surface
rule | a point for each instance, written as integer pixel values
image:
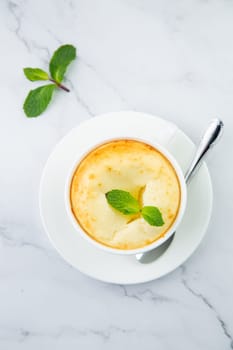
(131, 166)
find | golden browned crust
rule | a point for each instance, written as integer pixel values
(129, 165)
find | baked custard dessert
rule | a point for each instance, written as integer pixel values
(132, 166)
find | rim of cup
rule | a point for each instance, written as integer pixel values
(157, 242)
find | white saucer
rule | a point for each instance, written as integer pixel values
(89, 259)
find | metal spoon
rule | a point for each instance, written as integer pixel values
(211, 135)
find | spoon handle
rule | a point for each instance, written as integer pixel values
(209, 139)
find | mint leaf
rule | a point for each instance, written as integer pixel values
(37, 100)
(152, 215)
(123, 202)
(60, 61)
(35, 74)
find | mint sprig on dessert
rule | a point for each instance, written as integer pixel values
(38, 99)
(152, 215)
(125, 203)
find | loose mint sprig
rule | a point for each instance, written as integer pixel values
(125, 203)
(38, 99)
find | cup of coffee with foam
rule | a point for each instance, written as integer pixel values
(142, 173)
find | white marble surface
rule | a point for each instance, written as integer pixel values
(170, 58)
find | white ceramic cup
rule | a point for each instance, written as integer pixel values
(157, 242)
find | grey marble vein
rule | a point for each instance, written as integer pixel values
(23, 334)
(13, 241)
(130, 295)
(80, 100)
(15, 11)
(105, 81)
(210, 306)
(145, 294)
(46, 56)
(54, 36)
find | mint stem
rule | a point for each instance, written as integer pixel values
(61, 86)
